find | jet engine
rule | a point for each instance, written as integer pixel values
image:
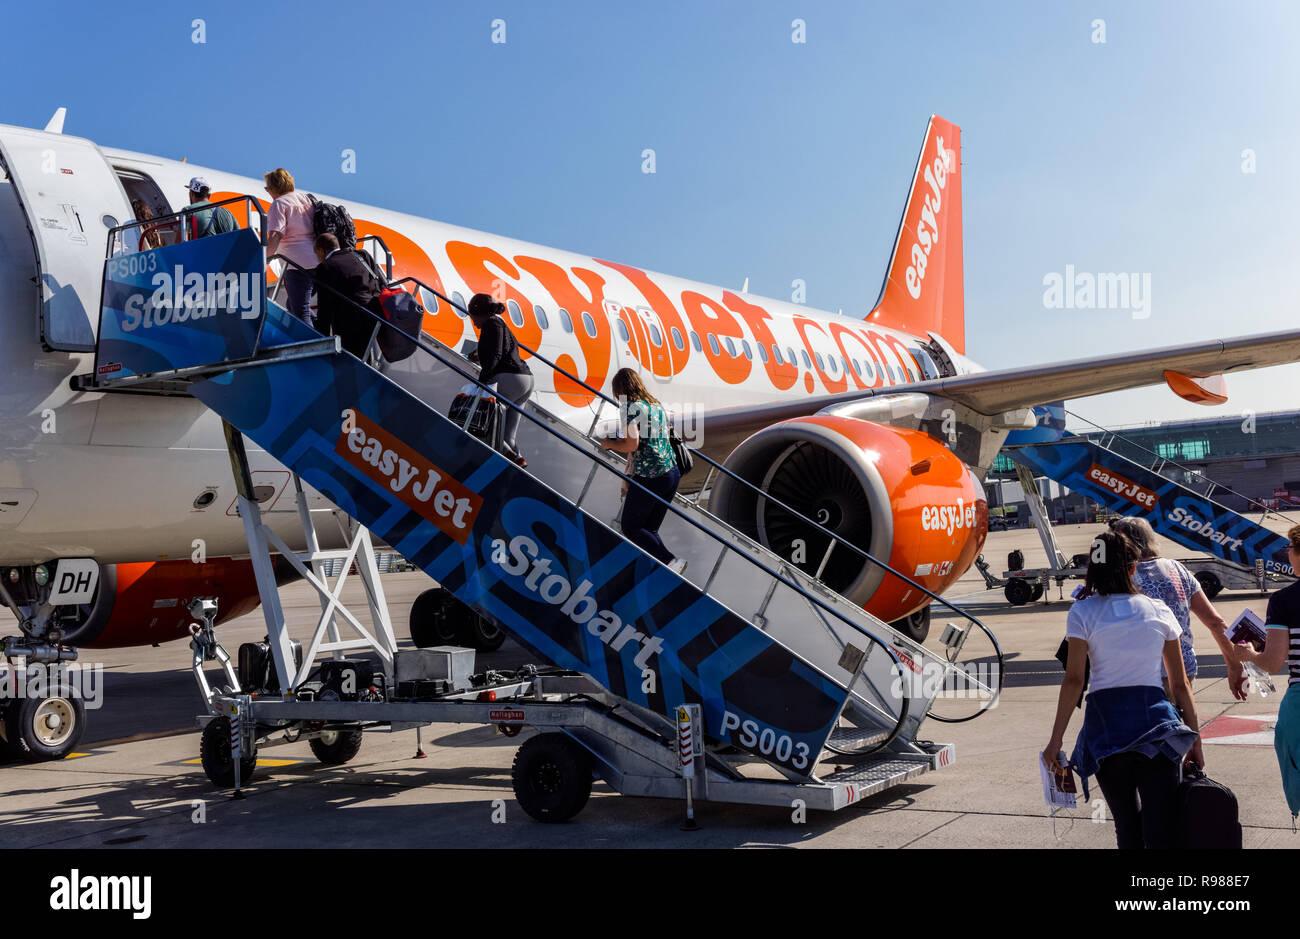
(898, 494)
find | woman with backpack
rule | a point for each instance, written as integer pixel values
(291, 234)
(650, 462)
(1132, 738)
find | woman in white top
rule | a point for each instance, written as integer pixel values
(1132, 739)
(290, 234)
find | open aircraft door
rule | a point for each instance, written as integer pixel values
(71, 198)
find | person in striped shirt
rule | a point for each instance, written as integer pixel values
(1283, 647)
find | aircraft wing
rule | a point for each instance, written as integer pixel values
(1009, 389)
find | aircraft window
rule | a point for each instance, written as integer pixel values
(789, 356)
(589, 325)
(731, 346)
(430, 300)
(821, 365)
(713, 344)
(516, 314)
(622, 331)
(868, 372)
(749, 354)
(845, 363)
(776, 354)
(857, 368)
(656, 336)
(695, 341)
(807, 362)
(459, 302)
(542, 320)
(678, 341)
(762, 351)
(565, 321)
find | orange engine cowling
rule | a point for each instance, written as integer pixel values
(140, 604)
(898, 494)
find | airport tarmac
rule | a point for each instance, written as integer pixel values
(136, 780)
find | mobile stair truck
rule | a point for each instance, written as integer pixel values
(1182, 505)
(744, 681)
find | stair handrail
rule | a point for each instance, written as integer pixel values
(719, 468)
(598, 457)
(1114, 435)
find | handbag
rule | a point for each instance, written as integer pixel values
(1063, 656)
(681, 452)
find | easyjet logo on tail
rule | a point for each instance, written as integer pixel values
(421, 485)
(935, 175)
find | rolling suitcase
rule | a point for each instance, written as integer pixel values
(478, 414)
(1207, 813)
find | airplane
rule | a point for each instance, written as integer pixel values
(879, 428)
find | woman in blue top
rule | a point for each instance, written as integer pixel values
(1282, 648)
(650, 462)
(1132, 738)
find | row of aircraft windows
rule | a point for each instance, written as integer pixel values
(831, 365)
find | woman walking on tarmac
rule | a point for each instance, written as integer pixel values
(1168, 580)
(1132, 738)
(1282, 647)
(650, 462)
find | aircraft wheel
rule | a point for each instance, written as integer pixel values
(1210, 583)
(915, 626)
(1018, 591)
(552, 777)
(336, 747)
(214, 754)
(479, 632)
(45, 728)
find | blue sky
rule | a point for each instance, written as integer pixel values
(774, 160)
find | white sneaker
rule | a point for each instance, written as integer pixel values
(677, 565)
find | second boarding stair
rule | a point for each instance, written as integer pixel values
(782, 668)
(1178, 504)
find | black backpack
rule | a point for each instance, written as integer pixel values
(1207, 813)
(327, 217)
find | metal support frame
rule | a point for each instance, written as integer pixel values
(1038, 512)
(325, 636)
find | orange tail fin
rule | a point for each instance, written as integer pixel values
(923, 288)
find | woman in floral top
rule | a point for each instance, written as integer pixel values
(650, 462)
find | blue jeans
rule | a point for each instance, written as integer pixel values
(297, 284)
(643, 514)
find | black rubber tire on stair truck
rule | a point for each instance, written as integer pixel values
(1210, 583)
(552, 777)
(336, 747)
(1038, 592)
(214, 754)
(46, 727)
(1018, 591)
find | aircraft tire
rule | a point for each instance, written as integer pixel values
(431, 624)
(336, 747)
(915, 626)
(552, 777)
(45, 728)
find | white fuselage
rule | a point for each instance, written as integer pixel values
(116, 476)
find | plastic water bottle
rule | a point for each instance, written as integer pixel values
(1262, 681)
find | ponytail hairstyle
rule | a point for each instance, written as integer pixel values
(1109, 560)
(628, 384)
